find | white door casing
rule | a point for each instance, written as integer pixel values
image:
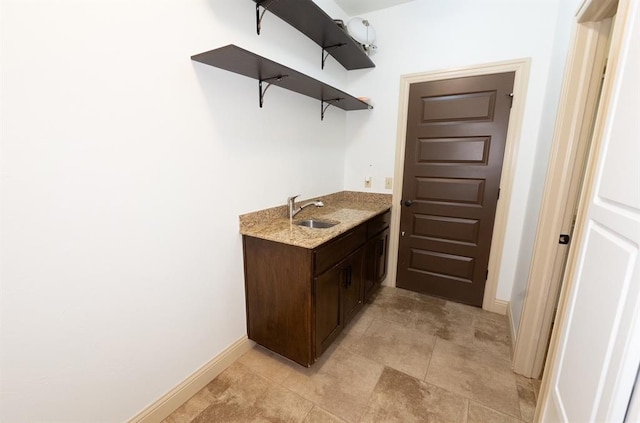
(573, 131)
(595, 351)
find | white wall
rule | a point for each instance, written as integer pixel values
(124, 168)
(429, 35)
(566, 18)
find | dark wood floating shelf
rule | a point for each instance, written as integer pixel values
(308, 18)
(235, 59)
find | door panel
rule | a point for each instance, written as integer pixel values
(470, 150)
(456, 134)
(328, 320)
(620, 255)
(353, 285)
(443, 265)
(446, 191)
(376, 255)
(467, 107)
(597, 355)
(446, 229)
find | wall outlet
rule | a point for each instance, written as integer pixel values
(388, 183)
(367, 182)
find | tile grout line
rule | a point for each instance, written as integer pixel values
(431, 358)
(515, 379)
(282, 386)
(466, 415)
(308, 412)
(366, 407)
(469, 400)
(496, 411)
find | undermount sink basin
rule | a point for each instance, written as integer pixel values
(316, 224)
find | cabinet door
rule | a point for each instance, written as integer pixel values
(382, 254)
(353, 285)
(376, 262)
(328, 288)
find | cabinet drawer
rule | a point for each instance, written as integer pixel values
(330, 254)
(378, 223)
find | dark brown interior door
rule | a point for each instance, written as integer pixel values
(456, 133)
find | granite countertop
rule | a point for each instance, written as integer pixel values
(347, 208)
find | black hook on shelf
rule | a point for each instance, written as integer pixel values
(260, 81)
(325, 51)
(324, 108)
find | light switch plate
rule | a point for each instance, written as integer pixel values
(388, 183)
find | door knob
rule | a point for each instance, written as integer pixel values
(408, 203)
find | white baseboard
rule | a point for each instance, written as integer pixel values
(512, 329)
(497, 306)
(173, 399)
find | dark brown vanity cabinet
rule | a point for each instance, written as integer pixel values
(299, 300)
(353, 285)
(376, 253)
(338, 298)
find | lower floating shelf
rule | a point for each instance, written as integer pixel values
(238, 60)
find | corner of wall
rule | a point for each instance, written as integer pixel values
(168, 403)
(497, 306)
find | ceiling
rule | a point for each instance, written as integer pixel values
(358, 7)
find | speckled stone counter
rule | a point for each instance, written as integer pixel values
(347, 208)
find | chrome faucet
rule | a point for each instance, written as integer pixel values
(293, 210)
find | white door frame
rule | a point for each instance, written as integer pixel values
(575, 118)
(616, 381)
(521, 69)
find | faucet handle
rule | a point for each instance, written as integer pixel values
(292, 198)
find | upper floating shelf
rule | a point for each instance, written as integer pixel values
(238, 60)
(308, 18)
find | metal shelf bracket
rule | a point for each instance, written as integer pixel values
(325, 51)
(259, 15)
(262, 92)
(323, 107)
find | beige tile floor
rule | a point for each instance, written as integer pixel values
(405, 358)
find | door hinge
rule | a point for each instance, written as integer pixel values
(498, 193)
(510, 95)
(486, 275)
(564, 239)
